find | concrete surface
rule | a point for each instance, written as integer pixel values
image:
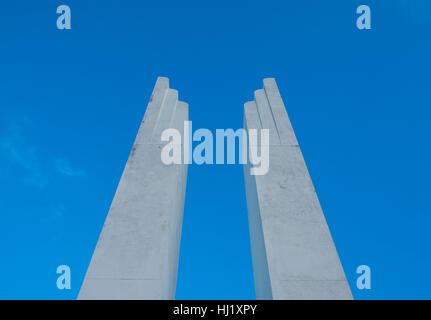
(136, 256)
(293, 253)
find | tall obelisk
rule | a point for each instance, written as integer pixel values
(294, 256)
(137, 254)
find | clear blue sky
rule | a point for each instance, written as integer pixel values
(71, 103)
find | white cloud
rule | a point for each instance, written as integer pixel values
(63, 166)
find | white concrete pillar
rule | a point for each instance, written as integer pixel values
(293, 254)
(137, 254)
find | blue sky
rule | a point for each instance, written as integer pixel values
(71, 102)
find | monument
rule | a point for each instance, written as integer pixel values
(293, 254)
(137, 253)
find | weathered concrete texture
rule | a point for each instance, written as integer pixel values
(294, 256)
(137, 254)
